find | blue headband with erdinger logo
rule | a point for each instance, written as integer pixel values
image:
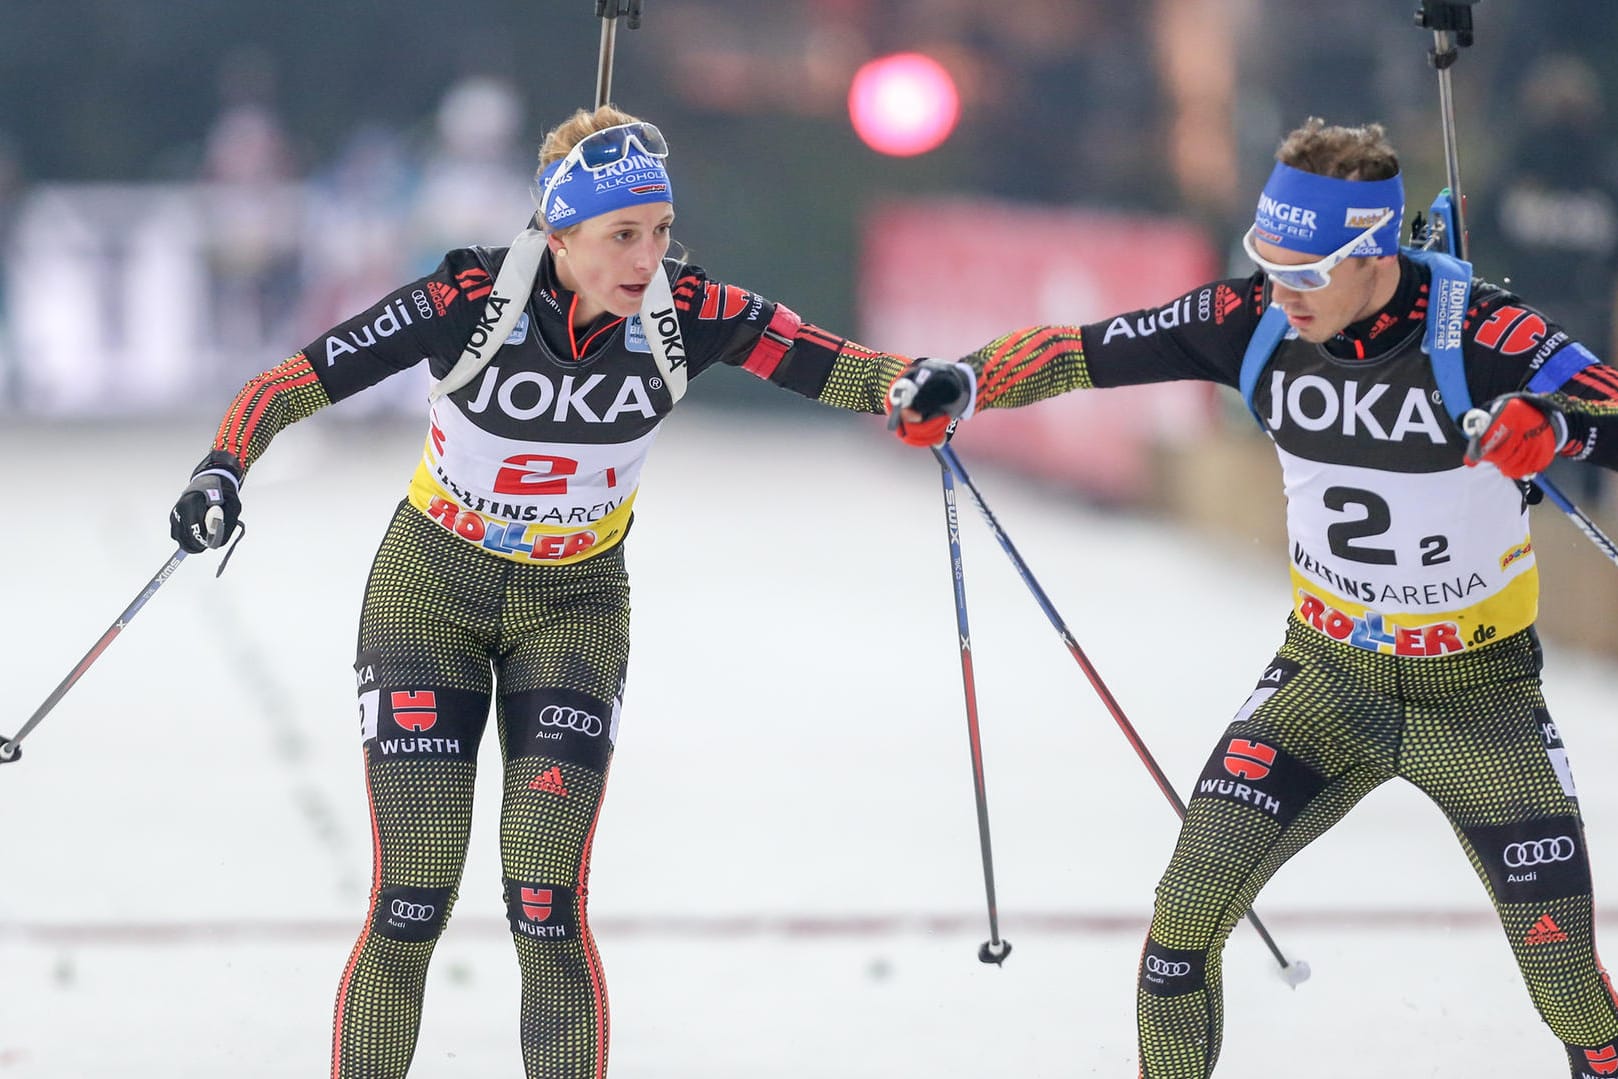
(581, 194)
(1316, 215)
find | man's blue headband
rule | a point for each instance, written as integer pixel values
(1317, 215)
(580, 194)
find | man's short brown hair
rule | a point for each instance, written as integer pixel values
(1347, 153)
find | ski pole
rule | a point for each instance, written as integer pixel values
(11, 748)
(1476, 421)
(1294, 972)
(608, 12)
(1591, 530)
(994, 950)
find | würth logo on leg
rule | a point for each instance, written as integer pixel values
(549, 781)
(1248, 760)
(1603, 1061)
(536, 903)
(414, 711)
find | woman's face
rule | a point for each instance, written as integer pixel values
(608, 260)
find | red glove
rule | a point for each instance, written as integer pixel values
(927, 397)
(1519, 434)
(933, 432)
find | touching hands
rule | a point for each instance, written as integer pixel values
(927, 397)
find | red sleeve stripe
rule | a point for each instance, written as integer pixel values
(1600, 377)
(990, 393)
(773, 343)
(242, 419)
(811, 334)
(1012, 364)
(684, 289)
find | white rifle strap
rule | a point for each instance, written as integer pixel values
(506, 304)
(661, 324)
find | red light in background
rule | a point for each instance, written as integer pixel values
(903, 104)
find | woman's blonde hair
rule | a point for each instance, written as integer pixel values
(568, 134)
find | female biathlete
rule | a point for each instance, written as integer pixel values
(501, 574)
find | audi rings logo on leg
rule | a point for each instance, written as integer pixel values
(569, 719)
(1539, 852)
(1163, 968)
(412, 912)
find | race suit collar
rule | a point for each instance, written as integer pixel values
(1378, 334)
(556, 304)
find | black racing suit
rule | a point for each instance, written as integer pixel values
(501, 579)
(1409, 651)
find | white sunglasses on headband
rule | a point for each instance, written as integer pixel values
(606, 147)
(1309, 276)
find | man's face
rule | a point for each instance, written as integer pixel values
(1359, 287)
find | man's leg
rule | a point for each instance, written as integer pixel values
(1307, 746)
(1488, 753)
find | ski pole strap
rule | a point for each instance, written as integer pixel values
(507, 301)
(1447, 300)
(659, 323)
(1272, 327)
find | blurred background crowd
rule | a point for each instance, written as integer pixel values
(189, 192)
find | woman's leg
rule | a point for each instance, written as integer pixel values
(424, 685)
(566, 646)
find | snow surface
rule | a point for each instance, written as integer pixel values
(787, 880)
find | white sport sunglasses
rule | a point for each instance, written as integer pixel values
(1309, 276)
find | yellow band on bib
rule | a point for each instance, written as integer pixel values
(1495, 617)
(527, 542)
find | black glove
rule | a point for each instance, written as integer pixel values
(939, 391)
(208, 510)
